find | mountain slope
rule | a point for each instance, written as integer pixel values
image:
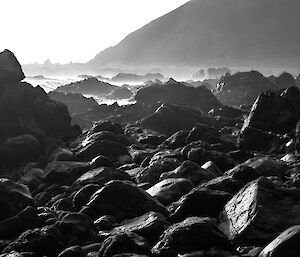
(215, 32)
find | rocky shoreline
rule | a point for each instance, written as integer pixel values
(177, 174)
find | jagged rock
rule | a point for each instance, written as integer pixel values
(150, 226)
(284, 80)
(174, 92)
(124, 243)
(168, 119)
(201, 202)
(190, 171)
(192, 234)
(14, 198)
(286, 244)
(10, 68)
(243, 173)
(228, 112)
(101, 161)
(120, 93)
(64, 172)
(170, 190)
(203, 132)
(272, 113)
(100, 176)
(20, 149)
(107, 126)
(123, 200)
(260, 211)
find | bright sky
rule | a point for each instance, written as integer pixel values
(72, 30)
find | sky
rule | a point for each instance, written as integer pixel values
(72, 30)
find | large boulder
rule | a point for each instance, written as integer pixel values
(260, 211)
(193, 234)
(10, 68)
(123, 200)
(273, 113)
(168, 119)
(242, 88)
(14, 197)
(174, 92)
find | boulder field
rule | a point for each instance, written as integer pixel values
(165, 179)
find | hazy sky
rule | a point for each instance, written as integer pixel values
(72, 30)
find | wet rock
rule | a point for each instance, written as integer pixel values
(170, 190)
(14, 198)
(64, 172)
(108, 148)
(191, 171)
(100, 176)
(123, 200)
(260, 211)
(150, 226)
(224, 183)
(61, 154)
(286, 244)
(124, 243)
(192, 234)
(201, 202)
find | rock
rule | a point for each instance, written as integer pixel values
(14, 198)
(32, 178)
(169, 119)
(120, 93)
(243, 173)
(174, 92)
(75, 102)
(203, 132)
(123, 200)
(73, 251)
(105, 222)
(176, 140)
(150, 226)
(90, 86)
(190, 171)
(83, 195)
(76, 227)
(272, 113)
(20, 149)
(124, 243)
(224, 183)
(170, 190)
(258, 140)
(41, 241)
(201, 202)
(242, 88)
(14, 226)
(62, 173)
(152, 173)
(286, 244)
(61, 154)
(10, 68)
(266, 166)
(107, 126)
(228, 112)
(108, 148)
(101, 161)
(284, 80)
(100, 176)
(260, 211)
(192, 234)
